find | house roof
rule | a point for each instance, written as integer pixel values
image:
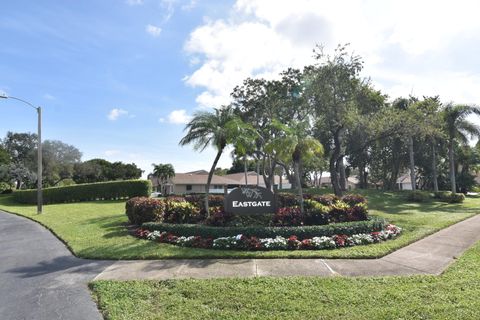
(252, 178)
(196, 179)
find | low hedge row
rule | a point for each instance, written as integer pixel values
(87, 192)
(302, 232)
(448, 196)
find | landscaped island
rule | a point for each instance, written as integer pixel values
(328, 222)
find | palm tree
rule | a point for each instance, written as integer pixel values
(293, 143)
(163, 172)
(209, 129)
(458, 127)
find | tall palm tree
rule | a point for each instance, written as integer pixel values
(209, 129)
(458, 127)
(163, 172)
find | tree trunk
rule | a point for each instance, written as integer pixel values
(299, 184)
(452, 166)
(434, 166)
(341, 171)
(258, 173)
(336, 154)
(412, 163)
(245, 169)
(209, 181)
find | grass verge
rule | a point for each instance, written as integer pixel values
(453, 295)
(96, 230)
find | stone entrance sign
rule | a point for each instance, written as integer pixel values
(250, 200)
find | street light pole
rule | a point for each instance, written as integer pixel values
(39, 150)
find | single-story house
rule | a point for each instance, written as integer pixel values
(280, 182)
(326, 182)
(404, 182)
(193, 182)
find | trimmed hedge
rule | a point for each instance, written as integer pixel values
(302, 232)
(112, 190)
(448, 196)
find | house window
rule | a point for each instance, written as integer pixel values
(217, 186)
(189, 187)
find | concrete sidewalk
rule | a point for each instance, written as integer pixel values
(431, 255)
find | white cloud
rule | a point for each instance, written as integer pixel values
(110, 153)
(115, 113)
(179, 117)
(161, 120)
(152, 30)
(48, 96)
(427, 45)
(134, 2)
(190, 5)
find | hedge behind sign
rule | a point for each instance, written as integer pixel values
(250, 200)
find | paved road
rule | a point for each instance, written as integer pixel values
(39, 277)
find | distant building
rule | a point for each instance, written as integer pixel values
(193, 182)
(196, 181)
(279, 182)
(404, 182)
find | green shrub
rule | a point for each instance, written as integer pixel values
(448, 196)
(286, 200)
(5, 188)
(417, 196)
(180, 212)
(218, 217)
(302, 232)
(199, 201)
(143, 209)
(87, 192)
(315, 212)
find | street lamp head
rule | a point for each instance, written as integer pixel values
(3, 96)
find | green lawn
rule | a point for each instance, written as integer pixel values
(453, 295)
(97, 229)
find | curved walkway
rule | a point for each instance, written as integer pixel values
(41, 279)
(431, 255)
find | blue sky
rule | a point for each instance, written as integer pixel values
(118, 79)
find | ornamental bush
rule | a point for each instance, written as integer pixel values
(5, 188)
(199, 201)
(448, 196)
(112, 190)
(286, 200)
(354, 199)
(316, 213)
(288, 216)
(374, 224)
(177, 211)
(417, 196)
(326, 199)
(218, 217)
(143, 209)
(339, 212)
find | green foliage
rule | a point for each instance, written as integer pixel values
(100, 170)
(417, 196)
(5, 188)
(450, 197)
(87, 192)
(302, 232)
(180, 212)
(143, 209)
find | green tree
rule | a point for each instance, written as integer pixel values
(458, 128)
(294, 143)
(59, 160)
(332, 86)
(209, 129)
(163, 172)
(4, 156)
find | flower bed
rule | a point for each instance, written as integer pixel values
(242, 242)
(349, 228)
